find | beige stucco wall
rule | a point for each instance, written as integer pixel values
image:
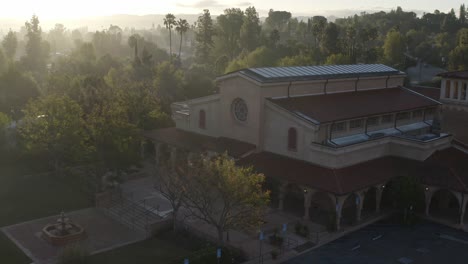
(212, 112)
(230, 127)
(277, 125)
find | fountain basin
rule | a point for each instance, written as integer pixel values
(54, 236)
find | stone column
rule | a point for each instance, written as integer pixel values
(462, 209)
(282, 193)
(428, 193)
(452, 89)
(460, 87)
(157, 152)
(142, 149)
(378, 196)
(359, 203)
(339, 208)
(442, 88)
(307, 202)
(173, 156)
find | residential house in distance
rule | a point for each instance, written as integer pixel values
(332, 137)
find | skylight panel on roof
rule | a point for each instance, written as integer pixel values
(317, 72)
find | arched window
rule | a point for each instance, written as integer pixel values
(292, 139)
(202, 119)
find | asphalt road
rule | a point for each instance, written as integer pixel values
(381, 243)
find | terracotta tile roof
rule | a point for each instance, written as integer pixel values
(455, 75)
(431, 92)
(196, 142)
(342, 106)
(446, 168)
(337, 181)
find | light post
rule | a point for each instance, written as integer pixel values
(218, 255)
(261, 237)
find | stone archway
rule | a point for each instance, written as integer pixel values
(370, 203)
(349, 209)
(322, 209)
(444, 204)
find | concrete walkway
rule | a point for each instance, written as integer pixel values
(103, 233)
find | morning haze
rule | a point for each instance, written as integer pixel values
(233, 132)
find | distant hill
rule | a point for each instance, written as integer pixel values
(147, 21)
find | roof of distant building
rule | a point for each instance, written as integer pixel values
(306, 73)
(455, 75)
(197, 142)
(342, 106)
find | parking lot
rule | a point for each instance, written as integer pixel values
(389, 243)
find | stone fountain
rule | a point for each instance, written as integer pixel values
(63, 232)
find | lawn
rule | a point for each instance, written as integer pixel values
(165, 248)
(24, 198)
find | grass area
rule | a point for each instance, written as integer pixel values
(165, 248)
(24, 198)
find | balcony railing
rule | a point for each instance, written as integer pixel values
(410, 147)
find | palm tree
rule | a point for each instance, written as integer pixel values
(181, 26)
(133, 43)
(169, 22)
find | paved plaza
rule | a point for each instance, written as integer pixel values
(103, 233)
(383, 243)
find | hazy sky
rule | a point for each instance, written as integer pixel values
(53, 9)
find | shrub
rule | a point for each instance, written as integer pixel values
(301, 230)
(73, 254)
(274, 254)
(276, 240)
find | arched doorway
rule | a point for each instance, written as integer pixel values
(349, 210)
(369, 205)
(444, 204)
(322, 209)
(294, 200)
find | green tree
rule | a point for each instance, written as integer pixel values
(330, 39)
(173, 184)
(133, 43)
(338, 59)
(169, 23)
(226, 196)
(230, 23)
(169, 83)
(319, 24)
(37, 51)
(54, 125)
(250, 30)
(10, 44)
(4, 122)
(260, 57)
(277, 20)
(117, 142)
(3, 62)
(204, 37)
(57, 38)
(16, 89)
(462, 16)
(182, 26)
(394, 48)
